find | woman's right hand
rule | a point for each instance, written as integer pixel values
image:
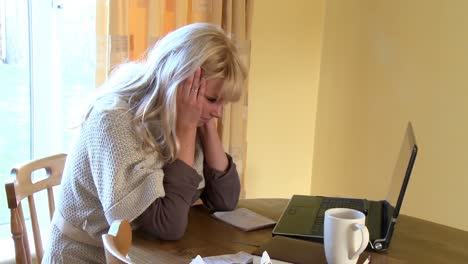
(190, 96)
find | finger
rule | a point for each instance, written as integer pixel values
(188, 85)
(201, 91)
(196, 82)
(181, 96)
(180, 90)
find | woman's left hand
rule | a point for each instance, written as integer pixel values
(212, 146)
(209, 129)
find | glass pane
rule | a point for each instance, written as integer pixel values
(67, 46)
(15, 132)
(76, 35)
(41, 102)
(60, 104)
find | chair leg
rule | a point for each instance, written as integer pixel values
(18, 238)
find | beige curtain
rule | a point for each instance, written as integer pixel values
(126, 28)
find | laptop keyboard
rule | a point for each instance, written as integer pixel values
(330, 202)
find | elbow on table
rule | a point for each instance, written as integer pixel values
(229, 206)
(221, 201)
(175, 232)
(229, 202)
(225, 205)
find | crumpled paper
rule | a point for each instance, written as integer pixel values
(238, 258)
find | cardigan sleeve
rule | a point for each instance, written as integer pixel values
(167, 217)
(127, 179)
(222, 189)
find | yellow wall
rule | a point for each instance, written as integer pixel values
(342, 100)
(384, 63)
(283, 85)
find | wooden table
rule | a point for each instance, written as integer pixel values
(414, 240)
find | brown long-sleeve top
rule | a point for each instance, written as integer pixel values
(166, 218)
(107, 177)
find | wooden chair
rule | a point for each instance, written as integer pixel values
(117, 242)
(23, 187)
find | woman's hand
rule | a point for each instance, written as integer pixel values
(209, 129)
(212, 146)
(190, 98)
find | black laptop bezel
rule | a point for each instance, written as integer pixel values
(392, 213)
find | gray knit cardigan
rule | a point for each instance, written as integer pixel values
(107, 177)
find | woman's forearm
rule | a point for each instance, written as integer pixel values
(213, 148)
(222, 189)
(166, 218)
(186, 152)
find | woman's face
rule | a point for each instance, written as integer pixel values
(213, 104)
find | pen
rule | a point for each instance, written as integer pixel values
(368, 260)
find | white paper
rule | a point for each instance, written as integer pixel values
(241, 258)
(257, 260)
(244, 219)
(265, 258)
(197, 260)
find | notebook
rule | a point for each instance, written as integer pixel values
(244, 219)
(304, 215)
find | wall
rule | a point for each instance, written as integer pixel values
(384, 63)
(285, 57)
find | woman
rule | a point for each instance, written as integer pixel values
(149, 148)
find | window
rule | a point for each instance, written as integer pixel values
(47, 75)
(2, 31)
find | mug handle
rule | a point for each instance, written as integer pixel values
(364, 241)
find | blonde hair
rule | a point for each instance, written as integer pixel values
(149, 87)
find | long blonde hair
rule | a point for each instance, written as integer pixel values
(149, 87)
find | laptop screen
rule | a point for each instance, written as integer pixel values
(401, 175)
(402, 170)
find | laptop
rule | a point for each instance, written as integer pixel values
(304, 215)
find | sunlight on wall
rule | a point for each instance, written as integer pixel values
(282, 97)
(385, 63)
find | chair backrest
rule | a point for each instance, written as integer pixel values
(117, 242)
(23, 187)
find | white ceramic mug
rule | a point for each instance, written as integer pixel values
(345, 235)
